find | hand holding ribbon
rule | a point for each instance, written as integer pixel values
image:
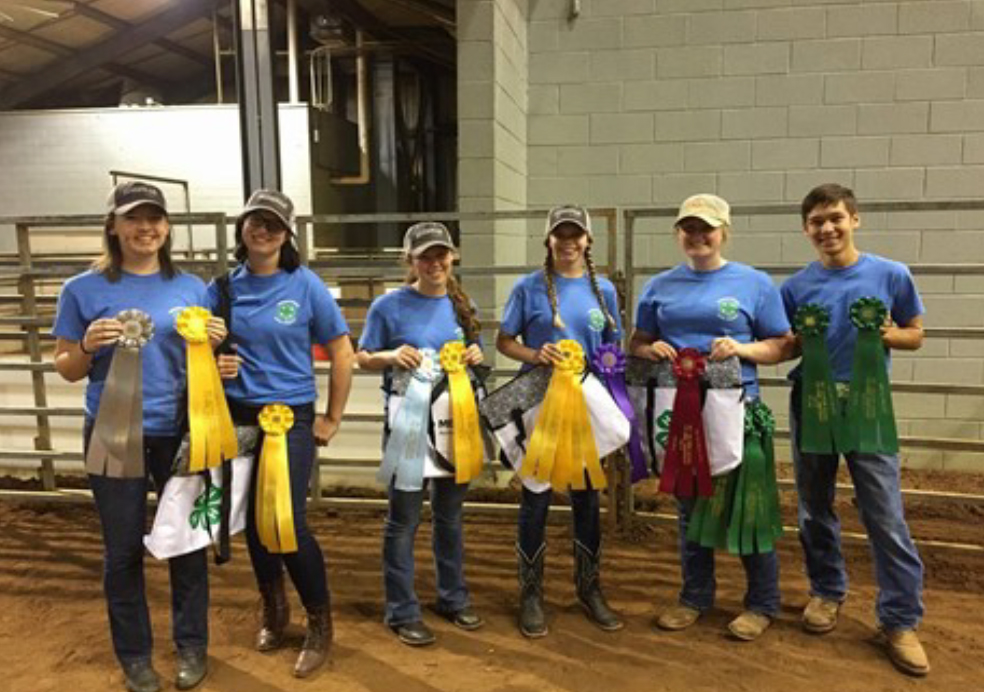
(870, 415)
(469, 453)
(116, 444)
(609, 361)
(562, 447)
(822, 429)
(213, 436)
(274, 507)
(686, 460)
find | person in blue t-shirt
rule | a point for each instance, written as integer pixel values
(136, 272)
(722, 309)
(426, 313)
(564, 300)
(279, 310)
(841, 276)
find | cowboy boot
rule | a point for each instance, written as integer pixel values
(587, 578)
(317, 641)
(275, 615)
(532, 620)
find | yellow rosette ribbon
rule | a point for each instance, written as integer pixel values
(468, 451)
(562, 447)
(274, 510)
(212, 434)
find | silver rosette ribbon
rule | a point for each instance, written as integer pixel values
(116, 444)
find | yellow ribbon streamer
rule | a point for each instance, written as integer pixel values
(468, 451)
(562, 447)
(274, 509)
(212, 433)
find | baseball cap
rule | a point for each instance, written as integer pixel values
(569, 213)
(708, 208)
(131, 194)
(273, 201)
(424, 235)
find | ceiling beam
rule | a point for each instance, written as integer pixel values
(44, 44)
(117, 23)
(101, 54)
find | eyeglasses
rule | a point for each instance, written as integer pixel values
(272, 225)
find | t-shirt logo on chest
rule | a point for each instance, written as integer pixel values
(286, 312)
(596, 320)
(728, 308)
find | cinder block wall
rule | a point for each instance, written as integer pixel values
(640, 103)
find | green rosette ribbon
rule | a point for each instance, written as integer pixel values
(822, 427)
(755, 522)
(870, 415)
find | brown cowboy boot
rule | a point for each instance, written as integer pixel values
(275, 615)
(317, 641)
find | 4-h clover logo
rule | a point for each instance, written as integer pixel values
(596, 320)
(207, 510)
(286, 312)
(728, 308)
(663, 427)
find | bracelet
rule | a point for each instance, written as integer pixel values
(82, 348)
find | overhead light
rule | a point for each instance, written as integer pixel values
(49, 9)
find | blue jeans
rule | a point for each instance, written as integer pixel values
(699, 584)
(898, 569)
(306, 567)
(533, 509)
(447, 499)
(122, 507)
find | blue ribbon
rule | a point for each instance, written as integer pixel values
(406, 449)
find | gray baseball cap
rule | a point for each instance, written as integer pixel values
(424, 235)
(273, 201)
(569, 213)
(131, 194)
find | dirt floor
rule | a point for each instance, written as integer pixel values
(54, 635)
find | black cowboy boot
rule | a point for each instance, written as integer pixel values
(532, 620)
(317, 641)
(276, 615)
(587, 577)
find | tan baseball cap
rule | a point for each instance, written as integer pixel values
(708, 208)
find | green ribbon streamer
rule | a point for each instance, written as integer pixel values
(870, 415)
(709, 519)
(755, 521)
(822, 427)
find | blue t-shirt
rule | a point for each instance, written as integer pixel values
(837, 288)
(690, 309)
(528, 314)
(407, 316)
(91, 296)
(275, 321)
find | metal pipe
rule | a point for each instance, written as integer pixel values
(293, 90)
(217, 50)
(362, 102)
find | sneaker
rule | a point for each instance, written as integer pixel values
(749, 626)
(820, 615)
(906, 652)
(678, 617)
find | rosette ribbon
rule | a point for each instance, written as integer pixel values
(686, 463)
(822, 428)
(609, 362)
(755, 522)
(274, 508)
(870, 416)
(562, 448)
(468, 451)
(406, 448)
(116, 445)
(211, 431)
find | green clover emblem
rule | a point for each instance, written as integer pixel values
(663, 427)
(207, 509)
(596, 320)
(728, 308)
(286, 312)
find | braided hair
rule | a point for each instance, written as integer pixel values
(548, 276)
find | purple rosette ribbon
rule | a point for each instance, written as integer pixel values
(609, 362)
